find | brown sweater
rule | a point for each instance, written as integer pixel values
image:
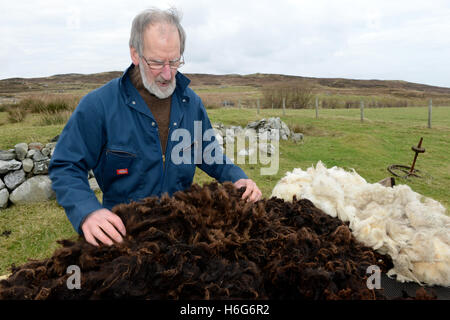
(160, 108)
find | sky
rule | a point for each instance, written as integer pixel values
(381, 39)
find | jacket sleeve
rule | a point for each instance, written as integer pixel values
(77, 151)
(222, 169)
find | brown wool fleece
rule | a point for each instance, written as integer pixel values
(208, 243)
(160, 108)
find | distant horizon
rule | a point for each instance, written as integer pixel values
(233, 74)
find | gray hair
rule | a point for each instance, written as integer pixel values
(152, 16)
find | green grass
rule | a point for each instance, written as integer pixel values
(337, 138)
(34, 229)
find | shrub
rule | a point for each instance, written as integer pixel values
(297, 97)
(48, 118)
(16, 114)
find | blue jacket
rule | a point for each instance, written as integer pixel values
(113, 132)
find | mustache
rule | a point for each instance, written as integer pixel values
(159, 79)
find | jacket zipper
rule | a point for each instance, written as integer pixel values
(163, 158)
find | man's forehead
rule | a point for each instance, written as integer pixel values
(161, 29)
(161, 38)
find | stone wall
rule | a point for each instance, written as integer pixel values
(24, 173)
(269, 130)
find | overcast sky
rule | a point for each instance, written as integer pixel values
(380, 39)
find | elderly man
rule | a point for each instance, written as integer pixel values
(128, 130)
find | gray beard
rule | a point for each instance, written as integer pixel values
(153, 87)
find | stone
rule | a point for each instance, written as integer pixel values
(7, 155)
(27, 165)
(4, 196)
(41, 167)
(39, 156)
(11, 165)
(35, 189)
(93, 184)
(285, 133)
(297, 137)
(50, 145)
(2, 185)
(14, 179)
(266, 149)
(272, 125)
(218, 137)
(46, 151)
(21, 150)
(246, 152)
(35, 146)
(229, 139)
(31, 153)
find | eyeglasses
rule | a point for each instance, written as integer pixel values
(158, 65)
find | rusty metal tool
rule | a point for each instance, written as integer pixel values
(408, 171)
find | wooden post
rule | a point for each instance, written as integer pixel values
(362, 111)
(284, 106)
(317, 108)
(430, 106)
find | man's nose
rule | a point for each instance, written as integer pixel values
(166, 72)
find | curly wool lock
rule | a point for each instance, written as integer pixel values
(208, 243)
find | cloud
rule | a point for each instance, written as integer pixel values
(382, 39)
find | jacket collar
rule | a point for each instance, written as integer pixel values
(132, 98)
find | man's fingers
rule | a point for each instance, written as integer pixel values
(100, 235)
(247, 192)
(253, 196)
(117, 223)
(256, 195)
(111, 232)
(90, 238)
(251, 193)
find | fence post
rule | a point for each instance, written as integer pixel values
(317, 108)
(284, 106)
(362, 111)
(430, 106)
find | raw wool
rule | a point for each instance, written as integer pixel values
(413, 230)
(208, 243)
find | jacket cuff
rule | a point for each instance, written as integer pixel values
(80, 213)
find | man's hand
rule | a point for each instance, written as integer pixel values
(102, 225)
(252, 192)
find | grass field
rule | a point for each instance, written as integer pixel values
(337, 138)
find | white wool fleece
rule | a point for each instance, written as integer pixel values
(413, 230)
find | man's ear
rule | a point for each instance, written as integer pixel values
(134, 56)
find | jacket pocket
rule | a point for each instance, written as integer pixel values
(118, 172)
